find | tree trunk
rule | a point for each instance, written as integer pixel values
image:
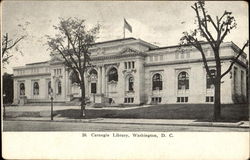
(217, 100)
(83, 113)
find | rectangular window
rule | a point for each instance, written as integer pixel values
(110, 100)
(210, 84)
(93, 87)
(182, 99)
(125, 64)
(178, 99)
(129, 65)
(235, 79)
(152, 99)
(209, 99)
(133, 64)
(129, 100)
(156, 100)
(242, 82)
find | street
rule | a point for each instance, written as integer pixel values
(91, 126)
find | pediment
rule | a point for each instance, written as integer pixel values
(55, 59)
(128, 51)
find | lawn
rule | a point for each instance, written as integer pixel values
(166, 111)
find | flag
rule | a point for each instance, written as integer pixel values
(127, 25)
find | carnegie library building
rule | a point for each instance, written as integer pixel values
(132, 71)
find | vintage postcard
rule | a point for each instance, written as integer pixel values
(125, 79)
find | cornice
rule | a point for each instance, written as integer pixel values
(118, 56)
(193, 61)
(32, 75)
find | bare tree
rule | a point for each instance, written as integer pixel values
(72, 42)
(213, 31)
(8, 44)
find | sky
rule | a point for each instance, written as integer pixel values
(160, 23)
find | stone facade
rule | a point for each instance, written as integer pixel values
(132, 71)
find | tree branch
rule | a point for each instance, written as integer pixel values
(235, 59)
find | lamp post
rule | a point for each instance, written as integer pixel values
(4, 113)
(51, 109)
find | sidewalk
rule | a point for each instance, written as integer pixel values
(181, 122)
(65, 114)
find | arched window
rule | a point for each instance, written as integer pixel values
(22, 89)
(73, 78)
(157, 82)
(113, 75)
(183, 81)
(93, 75)
(36, 88)
(209, 79)
(59, 88)
(93, 71)
(93, 79)
(49, 87)
(131, 84)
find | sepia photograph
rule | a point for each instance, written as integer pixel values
(136, 70)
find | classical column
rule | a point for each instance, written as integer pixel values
(103, 80)
(99, 80)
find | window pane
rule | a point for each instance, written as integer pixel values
(36, 88)
(209, 80)
(178, 99)
(207, 99)
(129, 65)
(49, 87)
(93, 87)
(182, 99)
(157, 82)
(59, 87)
(211, 99)
(22, 89)
(183, 81)
(131, 84)
(113, 75)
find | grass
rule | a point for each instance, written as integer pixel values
(200, 112)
